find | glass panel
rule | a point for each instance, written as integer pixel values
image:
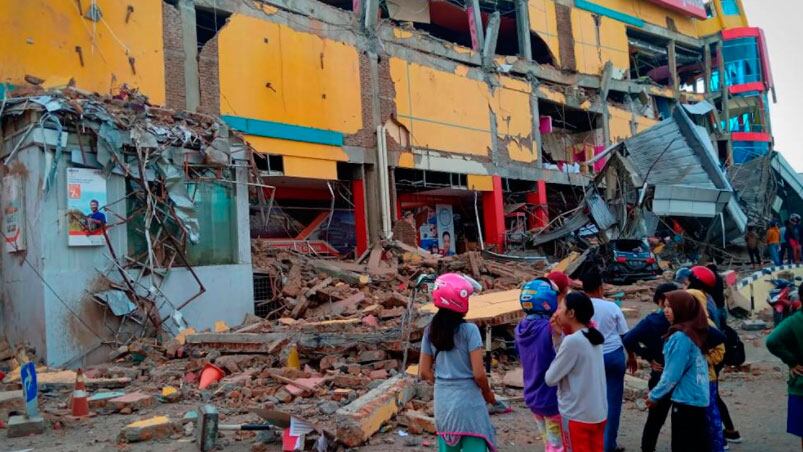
(215, 208)
(744, 151)
(730, 8)
(742, 62)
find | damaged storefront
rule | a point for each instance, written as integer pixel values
(132, 222)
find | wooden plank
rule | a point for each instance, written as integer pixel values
(498, 308)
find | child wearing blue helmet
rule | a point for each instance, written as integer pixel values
(534, 343)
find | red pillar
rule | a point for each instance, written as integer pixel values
(537, 198)
(360, 215)
(493, 212)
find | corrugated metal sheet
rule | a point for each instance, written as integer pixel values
(600, 212)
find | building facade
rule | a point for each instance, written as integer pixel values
(367, 112)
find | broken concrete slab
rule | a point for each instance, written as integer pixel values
(298, 385)
(158, 427)
(19, 426)
(359, 420)
(367, 356)
(101, 399)
(134, 401)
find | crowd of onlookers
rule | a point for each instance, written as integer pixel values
(575, 348)
(782, 242)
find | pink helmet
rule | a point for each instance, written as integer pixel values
(452, 291)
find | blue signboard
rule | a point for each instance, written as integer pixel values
(29, 388)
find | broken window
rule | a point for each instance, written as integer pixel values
(449, 20)
(215, 209)
(649, 58)
(208, 21)
(742, 61)
(747, 113)
(569, 136)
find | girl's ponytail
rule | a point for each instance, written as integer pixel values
(594, 336)
(583, 311)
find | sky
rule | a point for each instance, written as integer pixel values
(782, 21)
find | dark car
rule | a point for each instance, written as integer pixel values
(625, 261)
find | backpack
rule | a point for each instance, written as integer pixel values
(734, 348)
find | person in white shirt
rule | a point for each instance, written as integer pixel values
(610, 321)
(578, 371)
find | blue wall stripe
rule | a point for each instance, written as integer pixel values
(613, 14)
(283, 131)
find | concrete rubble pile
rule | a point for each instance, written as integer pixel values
(331, 356)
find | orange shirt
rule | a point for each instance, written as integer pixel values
(773, 236)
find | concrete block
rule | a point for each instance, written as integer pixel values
(19, 426)
(359, 420)
(418, 422)
(371, 355)
(101, 399)
(349, 381)
(134, 401)
(158, 427)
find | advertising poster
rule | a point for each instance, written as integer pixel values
(13, 206)
(86, 196)
(427, 228)
(446, 238)
(435, 227)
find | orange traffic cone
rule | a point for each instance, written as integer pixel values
(80, 399)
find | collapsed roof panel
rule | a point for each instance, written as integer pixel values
(674, 162)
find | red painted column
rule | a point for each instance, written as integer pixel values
(493, 213)
(360, 215)
(537, 198)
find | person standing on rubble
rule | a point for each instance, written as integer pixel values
(578, 371)
(646, 340)
(774, 243)
(685, 374)
(751, 239)
(786, 342)
(535, 345)
(451, 358)
(792, 239)
(610, 321)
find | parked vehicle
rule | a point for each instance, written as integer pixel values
(625, 261)
(784, 298)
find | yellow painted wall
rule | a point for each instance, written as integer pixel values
(543, 22)
(619, 120)
(443, 111)
(269, 71)
(652, 13)
(310, 168)
(511, 104)
(480, 182)
(594, 48)
(39, 37)
(267, 145)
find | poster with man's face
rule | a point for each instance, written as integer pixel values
(86, 198)
(445, 220)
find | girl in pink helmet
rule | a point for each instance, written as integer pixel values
(451, 358)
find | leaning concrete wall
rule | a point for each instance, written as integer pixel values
(23, 292)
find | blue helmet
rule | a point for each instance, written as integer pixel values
(538, 297)
(682, 275)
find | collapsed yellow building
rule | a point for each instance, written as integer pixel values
(484, 110)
